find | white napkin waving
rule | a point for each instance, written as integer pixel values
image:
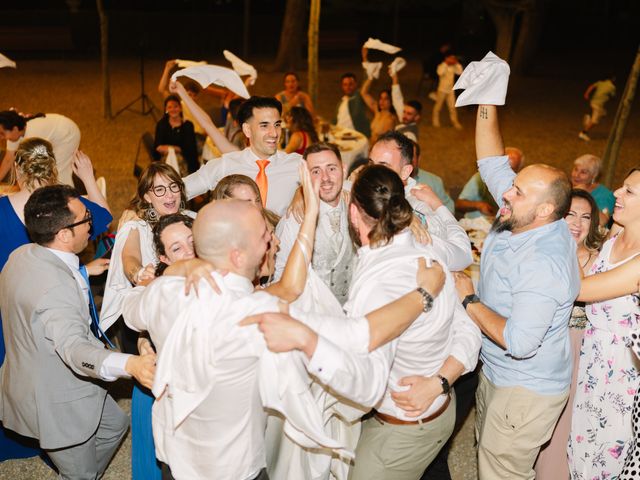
(205, 75)
(241, 67)
(375, 44)
(372, 69)
(484, 82)
(6, 62)
(188, 63)
(398, 64)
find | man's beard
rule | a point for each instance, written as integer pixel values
(332, 198)
(512, 222)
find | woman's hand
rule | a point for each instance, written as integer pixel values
(310, 191)
(82, 167)
(97, 267)
(144, 346)
(420, 231)
(145, 275)
(430, 278)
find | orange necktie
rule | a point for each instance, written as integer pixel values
(262, 181)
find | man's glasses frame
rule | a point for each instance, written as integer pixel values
(88, 218)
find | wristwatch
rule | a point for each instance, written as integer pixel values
(473, 298)
(427, 299)
(446, 388)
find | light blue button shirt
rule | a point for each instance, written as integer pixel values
(531, 279)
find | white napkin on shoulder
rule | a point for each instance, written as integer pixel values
(372, 69)
(188, 63)
(205, 75)
(398, 64)
(6, 62)
(484, 82)
(375, 44)
(241, 67)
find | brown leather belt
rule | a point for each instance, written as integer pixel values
(396, 421)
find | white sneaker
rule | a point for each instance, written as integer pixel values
(584, 136)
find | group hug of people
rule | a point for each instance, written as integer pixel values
(303, 324)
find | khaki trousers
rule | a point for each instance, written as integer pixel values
(512, 423)
(400, 452)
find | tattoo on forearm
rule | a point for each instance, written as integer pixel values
(483, 113)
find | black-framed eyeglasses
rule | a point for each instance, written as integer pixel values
(161, 190)
(88, 218)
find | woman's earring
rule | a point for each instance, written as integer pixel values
(182, 205)
(151, 215)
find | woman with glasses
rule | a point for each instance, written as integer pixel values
(35, 167)
(160, 192)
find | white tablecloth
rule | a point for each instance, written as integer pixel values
(352, 144)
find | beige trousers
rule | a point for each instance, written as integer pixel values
(400, 452)
(451, 105)
(512, 423)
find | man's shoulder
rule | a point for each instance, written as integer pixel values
(288, 158)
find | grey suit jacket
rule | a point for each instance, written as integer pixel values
(47, 386)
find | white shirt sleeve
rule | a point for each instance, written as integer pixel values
(204, 179)
(360, 377)
(456, 249)
(397, 99)
(467, 339)
(113, 367)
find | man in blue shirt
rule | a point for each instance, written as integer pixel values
(529, 279)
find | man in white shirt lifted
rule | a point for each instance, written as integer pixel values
(332, 257)
(275, 171)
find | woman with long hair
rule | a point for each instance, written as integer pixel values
(303, 131)
(292, 95)
(173, 131)
(608, 376)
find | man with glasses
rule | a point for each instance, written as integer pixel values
(54, 357)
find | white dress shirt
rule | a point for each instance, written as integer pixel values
(118, 285)
(208, 418)
(333, 252)
(450, 241)
(282, 174)
(113, 366)
(383, 275)
(344, 119)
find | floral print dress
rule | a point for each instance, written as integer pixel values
(608, 378)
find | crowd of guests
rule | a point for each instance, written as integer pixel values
(302, 324)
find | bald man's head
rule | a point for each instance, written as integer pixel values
(232, 234)
(555, 187)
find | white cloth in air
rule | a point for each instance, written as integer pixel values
(206, 75)
(484, 82)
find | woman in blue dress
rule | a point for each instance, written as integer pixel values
(35, 167)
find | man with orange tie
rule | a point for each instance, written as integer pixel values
(275, 172)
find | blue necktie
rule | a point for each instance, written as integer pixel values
(95, 324)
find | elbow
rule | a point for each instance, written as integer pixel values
(521, 350)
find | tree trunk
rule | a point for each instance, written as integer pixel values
(504, 19)
(528, 37)
(104, 56)
(312, 74)
(622, 115)
(291, 35)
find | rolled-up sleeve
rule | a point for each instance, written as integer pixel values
(204, 179)
(497, 175)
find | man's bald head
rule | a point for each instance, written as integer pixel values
(225, 228)
(555, 187)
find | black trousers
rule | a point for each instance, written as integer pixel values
(166, 473)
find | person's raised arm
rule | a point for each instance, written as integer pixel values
(294, 277)
(366, 96)
(397, 100)
(488, 137)
(223, 144)
(7, 163)
(620, 281)
(163, 86)
(83, 168)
